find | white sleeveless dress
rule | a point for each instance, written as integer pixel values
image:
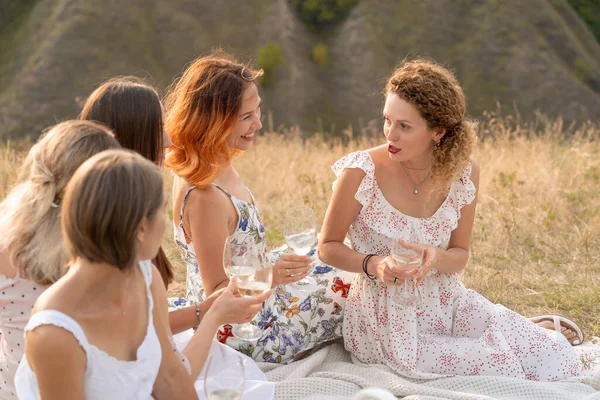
(105, 377)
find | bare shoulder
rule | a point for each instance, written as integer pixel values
(65, 295)
(378, 153)
(474, 166)
(207, 200)
(475, 172)
(50, 342)
(380, 157)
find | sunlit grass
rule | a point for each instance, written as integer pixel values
(536, 242)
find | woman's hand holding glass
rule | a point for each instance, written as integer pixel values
(230, 308)
(290, 268)
(388, 271)
(410, 258)
(246, 264)
(300, 232)
(430, 259)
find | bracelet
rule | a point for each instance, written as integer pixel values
(197, 317)
(365, 264)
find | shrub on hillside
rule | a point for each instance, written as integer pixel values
(270, 57)
(318, 13)
(319, 54)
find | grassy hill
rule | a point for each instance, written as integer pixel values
(525, 55)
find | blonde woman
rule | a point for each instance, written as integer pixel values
(96, 334)
(32, 255)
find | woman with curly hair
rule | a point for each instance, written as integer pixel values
(419, 189)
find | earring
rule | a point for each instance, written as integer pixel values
(436, 143)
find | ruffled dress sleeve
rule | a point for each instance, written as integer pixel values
(362, 160)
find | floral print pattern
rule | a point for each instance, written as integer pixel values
(294, 319)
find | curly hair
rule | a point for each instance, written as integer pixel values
(438, 96)
(202, 108)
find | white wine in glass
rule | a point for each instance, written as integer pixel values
(302, 243)
(243, 262)
(406, 257)
(300, 232)
(256, 283)
(218, 387)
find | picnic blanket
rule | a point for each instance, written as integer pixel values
(332, 373)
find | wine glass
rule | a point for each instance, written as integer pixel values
(220, 386)
(244, 262)
(300, 232)
(404, 256)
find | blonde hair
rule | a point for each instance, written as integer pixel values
(105, 203)
(438, 96)
(30, 214)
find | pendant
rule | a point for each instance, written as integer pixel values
(416, 191)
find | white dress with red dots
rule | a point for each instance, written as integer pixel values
(17, 297)
(451, 330)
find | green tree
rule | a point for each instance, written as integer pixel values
(318, 13)
(589, 11)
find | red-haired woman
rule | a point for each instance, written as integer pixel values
(213, 113)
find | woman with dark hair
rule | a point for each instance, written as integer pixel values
(133, 110)
(418, 192)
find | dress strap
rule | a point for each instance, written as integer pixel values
(234, 200)
(222, 190)
(233, 197)
(146, 267)
(183, 203)
(251, 196)
(62, 320)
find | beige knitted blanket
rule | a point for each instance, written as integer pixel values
(332, 373)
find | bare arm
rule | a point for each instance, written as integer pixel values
(341, 212)
(173, 381)
(185, 318)
(228, 308)
(209, 213)
(57, 360)
(209, 219)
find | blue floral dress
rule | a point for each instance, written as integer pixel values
(293, 320)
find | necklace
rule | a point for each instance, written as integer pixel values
(415, 185)
(417, 169)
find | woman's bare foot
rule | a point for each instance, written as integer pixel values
(568, 333)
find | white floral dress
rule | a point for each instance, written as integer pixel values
(293, 320)
(452, 330)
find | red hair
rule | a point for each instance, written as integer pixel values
(202, 108)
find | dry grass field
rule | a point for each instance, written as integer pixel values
(536, 240)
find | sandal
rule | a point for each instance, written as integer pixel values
(560, 322)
